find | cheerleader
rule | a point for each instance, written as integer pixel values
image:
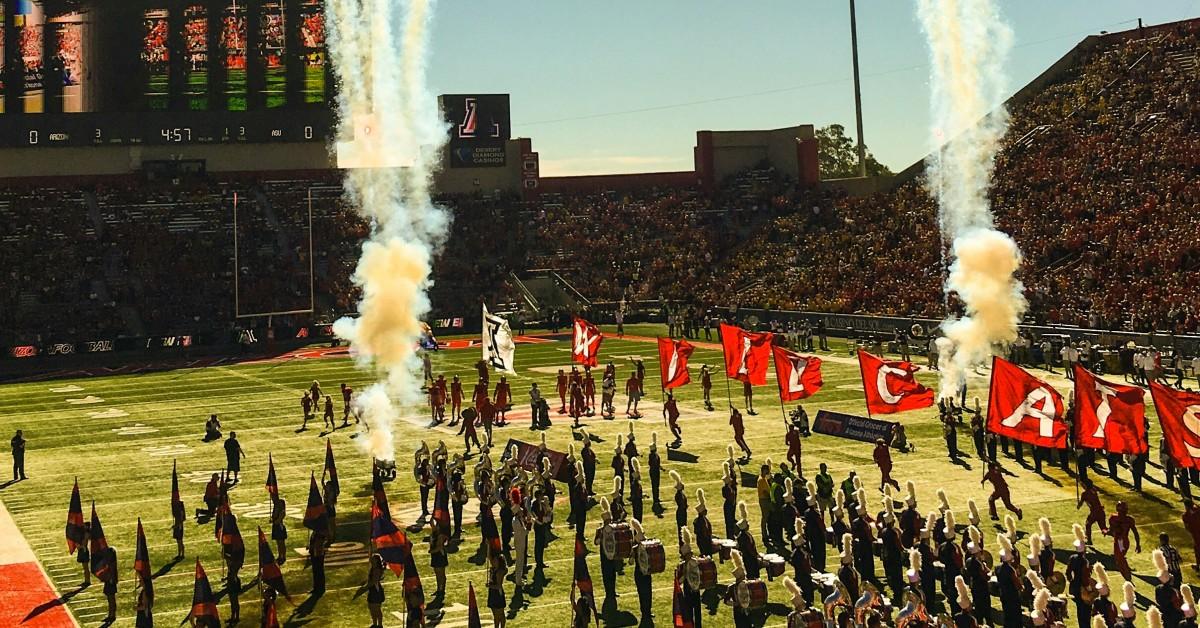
(496, 600)
(374, 588)
(278, 528)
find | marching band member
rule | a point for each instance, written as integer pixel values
(681, 505)
(965, 617)
(1010, 531)
(915, 588)
(1046, 560)
(847, 574)
(701, 526)
(977, 575)
(636, 498)
(1079, 574)
(1187, 608)
(789, 512)
(973, 519)
(939, 531)
(631, 450)
(1102, 606)
(738, 593)
(1009, 581)
(837, 518)
(688, 575)
(609, 561)
(618, 459)
(892, 551)
(863, 540)
(424, 475)
(1166, 596)
(729, 497)
(801, 563)
(458, 492)
(910, 519)
(1041, 615)
(950, 556)
(522, 522)
(1128, 607)
(655, 462)
(542, 516)
(579, 501)
(616, 499)
(814, 529)
(928, 557)
(746, 544)
(588, 456)
(801, 615)
(641, 573)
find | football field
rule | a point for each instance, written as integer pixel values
(119, 436)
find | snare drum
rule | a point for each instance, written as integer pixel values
(708, 573)
(775, 565)
(622, 541)
(725, 547)
(758, 594)
(656, 555)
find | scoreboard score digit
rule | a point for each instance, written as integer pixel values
(480, 127)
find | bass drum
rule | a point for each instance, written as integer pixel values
(752, 594)
(656, 555)
(708, 573)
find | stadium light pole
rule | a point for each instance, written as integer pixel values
(862, 150)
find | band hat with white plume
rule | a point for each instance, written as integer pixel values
(1035, 550)
(1154, 618)
(580, 476)
(1041, 601)
(544, 446)
(975, 545)
(911, 497)
(1188, 608)
(889, 512)
(1035, 580)
(653, 440)
(860, 502)
(1129, 606)
(679, 486)
(618, 484)
(631, 434)
(729, 452)
(620, 446)
(1160, 563)
(701, 504)
(635, 468)
(798, 537)
(787, 490)
(1007, 554)
(743, 516)
(727, 470)
(887, 492)
(1047, 537)
(587, 440)
(914, 566)
(943, 504)
(948, 529)
(847, 549)
(812, 492)
(739, 567)
(839, 505)
(1098, 622)
(964, 594)
(605, 510)
(685, 543)
(930, 524)
(1010, 525)
(1101, 577)
(973, 513)
(639, 534)
(1080, 542)
(798, 600)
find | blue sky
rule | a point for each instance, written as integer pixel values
(575, 68)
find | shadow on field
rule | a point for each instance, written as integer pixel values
(45, 606)
(674, 455)
(166, 568)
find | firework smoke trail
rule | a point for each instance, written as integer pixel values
(379, 49)
(969, 45)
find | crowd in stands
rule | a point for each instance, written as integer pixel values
(1098, 181)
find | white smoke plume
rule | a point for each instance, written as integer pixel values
(379, 50)
(969, 44)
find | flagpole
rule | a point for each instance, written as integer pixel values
(863, 376)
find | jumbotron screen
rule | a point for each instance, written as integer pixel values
(103, 72)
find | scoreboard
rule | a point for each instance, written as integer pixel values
(480, 127)
(166, 128)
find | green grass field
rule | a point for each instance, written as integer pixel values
(121, 448)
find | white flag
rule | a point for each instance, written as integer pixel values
(498, 345)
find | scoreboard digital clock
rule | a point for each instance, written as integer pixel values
(165, 128)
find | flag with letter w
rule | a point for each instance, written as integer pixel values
(498, 346)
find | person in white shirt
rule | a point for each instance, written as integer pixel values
(1048, 355)
(1064, 355)
(1196, 369)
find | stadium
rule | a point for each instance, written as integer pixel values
(245, 241)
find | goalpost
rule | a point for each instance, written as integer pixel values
(237, 271)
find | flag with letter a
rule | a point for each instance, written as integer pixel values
(1025, 408)
(585, 343)
(1109, 416)
(498, 346)
(747, 354)
(891, 386)
(672, 362)
(799, 376)
(1179, 415)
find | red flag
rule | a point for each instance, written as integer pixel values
(679, 610)
(1024, 407)
(74, 520)
(672, 362)
(141, 557)
(441, 504)
(585, 343)
(268, 569)
(331, 470)
(798, 376)
(891, 386)
(315, 517)
(270, 615)
(412, 587)
(1179, 415)
(389, 541)
(473, 620)
(272, 481)
(204, 604)
(583, 578)
(231, 536)
(101, 565)
(747, 354)
(1109, 416)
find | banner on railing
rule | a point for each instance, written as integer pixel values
(858, 428)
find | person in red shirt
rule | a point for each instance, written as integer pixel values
(671, 414)
(999, 491)
(306, 403)
(562, 391)
(456, 397)
(1119, 527)
(706, 384)
(347, 393)
(467, 431)
(577, 403)
(633, 388)
(739, 430)
(437, 399)
(589, 391)
(1096, 514)
(795, 447)
(487, 414)
(883, 460)
(503, 400)
(479, 395)
(1191, 523)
